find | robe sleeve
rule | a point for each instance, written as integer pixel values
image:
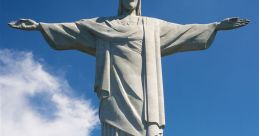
(177, 38)
(67, 36)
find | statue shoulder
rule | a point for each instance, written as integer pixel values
(157, 20)
(112, 18)
(99, 19)
(88, 19)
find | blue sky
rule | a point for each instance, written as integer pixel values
(207, 93)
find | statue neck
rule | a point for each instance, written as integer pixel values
(130, 12)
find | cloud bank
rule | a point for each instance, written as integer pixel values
(34, 102)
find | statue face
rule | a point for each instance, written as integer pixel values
(130, 4)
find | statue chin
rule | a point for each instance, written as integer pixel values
(130, 6)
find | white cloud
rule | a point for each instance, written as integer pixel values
(33, 102)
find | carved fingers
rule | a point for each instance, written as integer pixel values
(24, 24)
(232, 23)
(237, 22)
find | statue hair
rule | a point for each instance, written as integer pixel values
(138, 8)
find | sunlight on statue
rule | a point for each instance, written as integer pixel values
(128, 50)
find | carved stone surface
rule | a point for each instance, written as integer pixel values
(128, 50)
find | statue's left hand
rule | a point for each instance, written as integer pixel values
(231, 23)
(25, 24)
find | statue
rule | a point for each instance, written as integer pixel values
(128, 50)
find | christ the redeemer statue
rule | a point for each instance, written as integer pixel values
(128, 50)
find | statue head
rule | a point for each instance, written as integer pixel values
(129, 5)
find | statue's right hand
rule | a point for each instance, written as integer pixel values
(24, 24)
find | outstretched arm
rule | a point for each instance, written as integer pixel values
(60, 36)
(190, 37)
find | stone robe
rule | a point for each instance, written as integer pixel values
(128, 64)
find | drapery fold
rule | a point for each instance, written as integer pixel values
(98, 37)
